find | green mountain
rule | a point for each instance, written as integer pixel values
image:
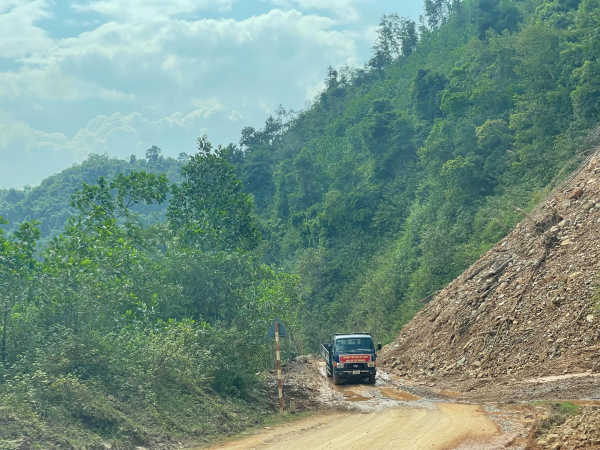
(48, 203)
(344, 216)
(402, 173)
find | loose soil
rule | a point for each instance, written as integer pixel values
(522, 314)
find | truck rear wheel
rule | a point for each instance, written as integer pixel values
(372, 379)
(336, 379)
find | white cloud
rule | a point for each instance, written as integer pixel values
(33, 154)
(52, 83)
(150, 9)
(208, 105)
(204, 51)
(19, 37)
(36, 154)
(235, 116)
(158, 56)
(181, 120)
(184, 51)
(344, 9)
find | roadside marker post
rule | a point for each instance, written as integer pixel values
(278, 330)
(279, 379)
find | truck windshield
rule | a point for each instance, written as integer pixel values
(354, 345)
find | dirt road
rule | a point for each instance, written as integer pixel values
(384, 416)
(438, 427)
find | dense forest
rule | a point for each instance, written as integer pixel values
(136, 293)
(122, 331)
(403, 172)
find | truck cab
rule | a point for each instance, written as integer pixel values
(350, 356)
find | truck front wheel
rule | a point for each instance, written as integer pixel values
(372, 378)
(336, 379)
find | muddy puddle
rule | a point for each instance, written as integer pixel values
(383, 396)
(351, 396)
(399, 395)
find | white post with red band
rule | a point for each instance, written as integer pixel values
(279, 379)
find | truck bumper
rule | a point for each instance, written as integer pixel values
(363, 373)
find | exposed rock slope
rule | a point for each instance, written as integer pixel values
(582, 430)
(526, 307)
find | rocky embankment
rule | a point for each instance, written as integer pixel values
(526, 308)
(582, 430)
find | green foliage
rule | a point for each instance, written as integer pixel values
(98, 202)
(395, 179)
(210, 207)
(135, 334)
(559, 413)
(49, 203)
(395, 36)
(403, 172)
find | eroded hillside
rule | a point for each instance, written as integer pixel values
(525, 309)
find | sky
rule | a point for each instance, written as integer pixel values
(118, 76)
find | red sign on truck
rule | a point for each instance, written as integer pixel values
(355, 358)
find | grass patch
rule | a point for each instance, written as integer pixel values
(559, 413)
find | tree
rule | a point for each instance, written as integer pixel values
(495, 141)
(331, 82)
(426, 93)
(380, 126)
(209, 208)
(408, 36)
(395, 36)
(113, 200)
(491, 14)
(17, 265)
(387, 45)
(586, 96)
(153, 154)
(437, 12)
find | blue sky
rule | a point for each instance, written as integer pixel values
(118, 76)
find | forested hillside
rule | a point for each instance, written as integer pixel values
(128, 334)
(48, 203)
(402, 173)
(144, 315)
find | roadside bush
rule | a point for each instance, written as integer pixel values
(136, 387)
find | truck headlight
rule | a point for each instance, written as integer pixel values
(371, 364)
(340, 365)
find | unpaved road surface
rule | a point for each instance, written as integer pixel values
(442, 426)
(388, 415)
